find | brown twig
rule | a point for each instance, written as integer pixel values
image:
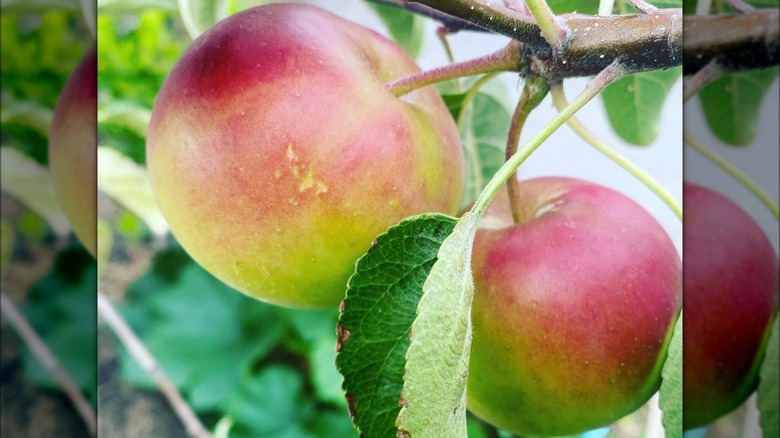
(704, 76)
(49, 362)
(647, 41)
(146, 361)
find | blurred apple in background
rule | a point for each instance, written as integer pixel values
(73, 150)
(730, 299)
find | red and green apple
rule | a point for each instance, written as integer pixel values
(277, 156)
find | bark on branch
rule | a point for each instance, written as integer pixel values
(642, 42)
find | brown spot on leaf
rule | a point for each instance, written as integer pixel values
(402, 402)
(342, 306)
(350, 398)
(403, 433)
(343, 335)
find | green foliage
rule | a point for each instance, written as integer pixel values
(30, 183)
(373, 345)
(406, 28)
(433, 397)
(671, 391)
(128, 184)
(769, 385)
(7, 240)
(635, 104)
(732, 104)
(135, 55)
(269, 369)
(61, 308)
(37, 54)
(483, 126)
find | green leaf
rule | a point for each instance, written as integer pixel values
(315, 328)
(37, 6)
(406, 28)
(128, 115)
(483, 127)
(30, 115)
(7, 237)
(30, 183)
(635, 103)
(198, 15)
(732, 104)
(189, 319)
(590, 7)
(128, 184)
(105, 241)
(376, 317)
(433, 397)
(268, 403)
(670, 393)
(769, 386)
(122, 7)
(61, 307)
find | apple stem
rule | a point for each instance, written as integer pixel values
(534, 91)
(507, 59)
(727, 167)
(595, 86)
(559, 100)
(469, 143)
(703, 77)
(49, 361)
(146, 361)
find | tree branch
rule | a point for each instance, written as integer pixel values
(643, 42)
(744, 41)
(146, 361)
(49, 362)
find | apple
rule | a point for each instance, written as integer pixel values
(573, 310)
(73, 150)
(731, 296)
(277, 156)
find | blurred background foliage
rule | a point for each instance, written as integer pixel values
(45, 271)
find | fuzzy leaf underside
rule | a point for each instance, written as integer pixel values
(434, 393)
(635, 104)
(732, 104)
(377, 314)
(670, 393)
(769, 386)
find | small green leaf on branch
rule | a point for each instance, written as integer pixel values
(670, 393)
(377, 314)
(433, 398)
(406, 28)
(635, 104)
(732, 104)
(769, 386)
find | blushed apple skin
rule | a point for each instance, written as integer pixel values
(730, 299)
(573, 310)
(73, 150)
(277, 156)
